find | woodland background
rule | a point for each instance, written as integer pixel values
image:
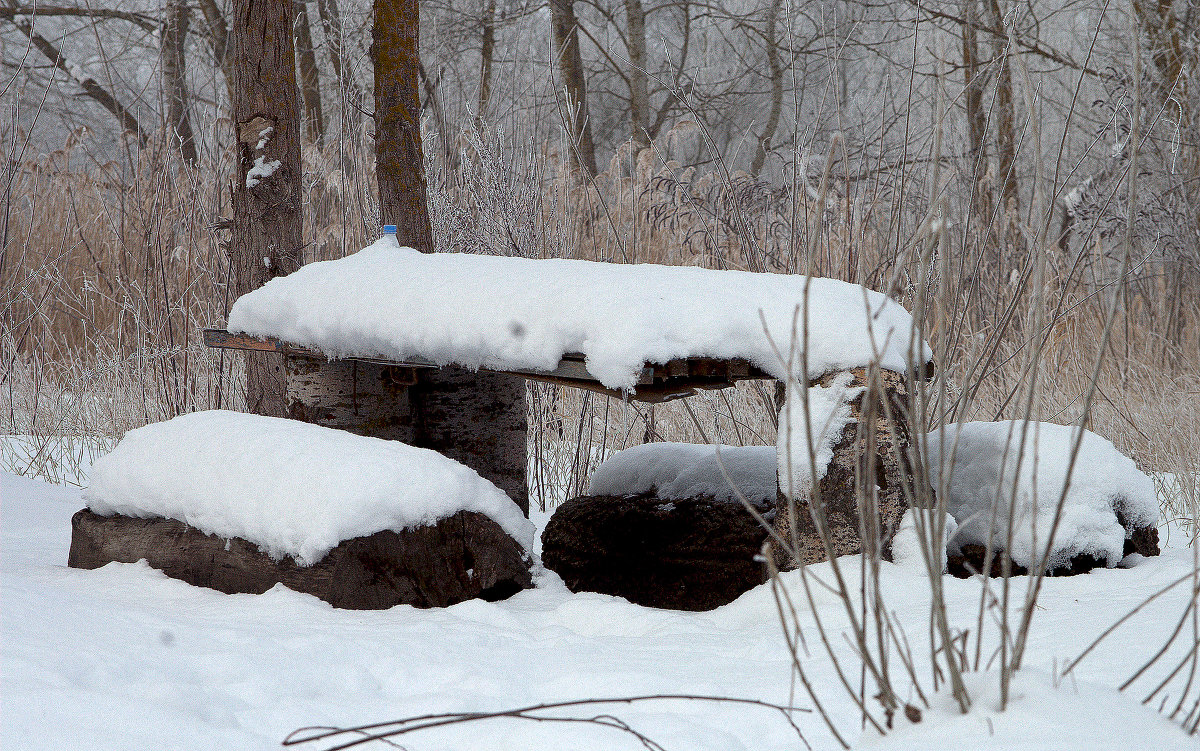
(1023, 176)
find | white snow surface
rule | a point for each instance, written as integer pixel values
(291, 488)
(517, 313)
(125, 658)
(804, 454)
(979, 465)
(675, 471)
(261, 170)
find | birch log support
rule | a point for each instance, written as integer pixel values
(465, 415)
(876, 445)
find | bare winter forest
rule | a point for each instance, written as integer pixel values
(1023, 177)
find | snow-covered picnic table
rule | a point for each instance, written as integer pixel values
(647, 331)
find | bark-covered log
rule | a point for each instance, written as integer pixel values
(693, 554)
(461, 557)
(474, 418)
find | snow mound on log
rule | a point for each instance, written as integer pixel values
(988, 466)
(291, 488)
(677, 471)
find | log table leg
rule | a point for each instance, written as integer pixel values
(474, 418)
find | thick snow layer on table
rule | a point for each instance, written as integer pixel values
(675, 471)
(979, 461)
(125, 657)
(292, 488)
(519, 313)
(803, 455)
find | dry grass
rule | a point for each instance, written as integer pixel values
(110, 271)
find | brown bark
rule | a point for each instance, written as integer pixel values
(310, 78)
(565, 37)
(458, 558)
(399, 162)
(174, 67)
(977, 117)
(218, 35)
(639, 83)
(267, 225)
(487, 54)
(776, 69)
(1006, 117)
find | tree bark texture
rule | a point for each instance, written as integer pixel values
(458, 558)
(863, 496)
(267, 229)
(565, 37)
(310, 77)
(639, 83)
(1006, 116)
(977, 117)
(174, 72)
(487, 54)
(474, 418)
(218, 35)
(399, 163)
(777, 71)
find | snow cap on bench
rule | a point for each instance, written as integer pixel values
(505, 313)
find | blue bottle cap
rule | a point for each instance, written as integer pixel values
(389, 229)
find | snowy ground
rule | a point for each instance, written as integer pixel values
(125, 658)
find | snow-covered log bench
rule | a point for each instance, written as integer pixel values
(360, 333)
(240, 503)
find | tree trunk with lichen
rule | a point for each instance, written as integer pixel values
(267, 226)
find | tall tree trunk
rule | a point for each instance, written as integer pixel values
(565, 37)
(1006, 116)
(174, 72)
(487, 54)
(475, 418)
(639, 83)
(267, 227)
(776, 69)
(310, 78)
(974, 82)
(331, 24)
(399, 165)
(218, 35)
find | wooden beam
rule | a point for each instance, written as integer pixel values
(658, 382)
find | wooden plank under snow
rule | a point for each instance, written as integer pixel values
(657, 382)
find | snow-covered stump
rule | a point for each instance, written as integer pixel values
(476, 418)
(240, 503)
(844, 449)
